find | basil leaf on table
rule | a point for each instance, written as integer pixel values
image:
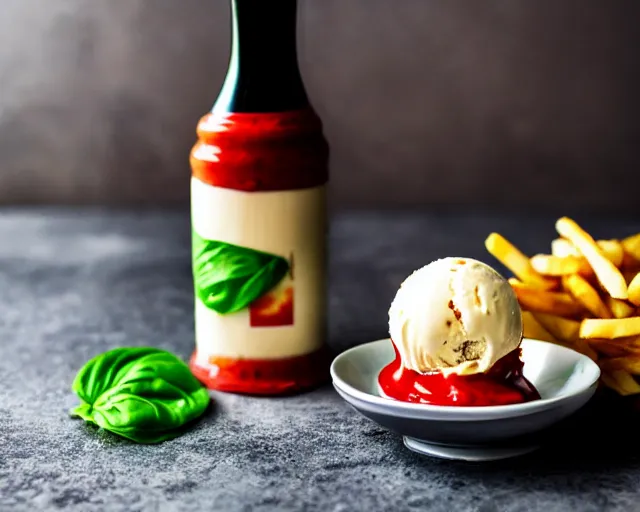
(143, 394)
(227, 277)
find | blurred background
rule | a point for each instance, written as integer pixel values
(441, 103)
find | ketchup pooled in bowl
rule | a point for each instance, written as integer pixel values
(456, 328)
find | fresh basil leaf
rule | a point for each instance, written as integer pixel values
(143, 394)
(227, 277)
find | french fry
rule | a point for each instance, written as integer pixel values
(607, 273)
(630, 340)
(562, 248)
(629, 262)
(634, 290)
(533, 328)
(610, 329)
(631, 246)
(586, 295)
(609, 348)
(511, 257)
(612, 249)
(582, 278)
(619, 308)
(629, 364)
(562, 328)
(629, 344)
(555, 266)
(620, 381)
(537, 300)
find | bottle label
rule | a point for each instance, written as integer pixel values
(259, 271)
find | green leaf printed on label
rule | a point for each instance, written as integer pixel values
(227, 277)
(143, 394)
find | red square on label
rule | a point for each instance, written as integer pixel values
(273, 309)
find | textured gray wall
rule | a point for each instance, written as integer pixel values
(489, 103)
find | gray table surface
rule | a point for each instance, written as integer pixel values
(74, 283)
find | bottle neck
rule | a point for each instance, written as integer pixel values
(263, 74)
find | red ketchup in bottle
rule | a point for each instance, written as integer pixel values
(259, 173)
(503, 384)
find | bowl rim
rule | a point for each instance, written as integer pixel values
(459, 413)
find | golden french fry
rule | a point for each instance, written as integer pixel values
(630, 344)
(562, 248)
(543, 301)
(580, 279)
(634, 290)
(631, 341)
(629, 363)
(533, 328)
(620, 381)
(610, 329)
(555, 266)
(612, 249)
(631, 246)
(619, 308)
(629, 262)
(562, 328)
(607, 273)
(609, 348)
(586, 295)
(511, 257)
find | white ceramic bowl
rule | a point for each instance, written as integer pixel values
(565, 379)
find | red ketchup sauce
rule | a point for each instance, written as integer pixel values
(262, 376)
(503, 384)
(261, 152)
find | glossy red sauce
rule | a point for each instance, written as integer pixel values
(503, 384)
(261, 376)
(261, 152)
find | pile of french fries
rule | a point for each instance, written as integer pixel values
(584, 295)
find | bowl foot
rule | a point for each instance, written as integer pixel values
(469, 453)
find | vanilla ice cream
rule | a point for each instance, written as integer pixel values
(456, 315)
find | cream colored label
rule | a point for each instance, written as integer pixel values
(291, 224)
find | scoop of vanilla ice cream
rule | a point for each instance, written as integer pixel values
(456, 315)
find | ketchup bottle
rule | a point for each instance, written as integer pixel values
(258, 211)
